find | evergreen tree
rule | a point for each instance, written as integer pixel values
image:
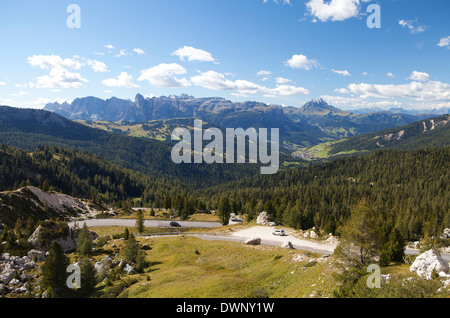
(84, 243)
(395, 247)
(126, 234)
(361, 237)
(88, 276)
(224, 211)
(131, 249)
(140, 221)
(54, 273)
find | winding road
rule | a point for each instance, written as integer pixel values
(263, 232)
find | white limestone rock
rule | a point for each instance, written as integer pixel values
(430, 261)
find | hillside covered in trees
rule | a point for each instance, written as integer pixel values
(410, 189)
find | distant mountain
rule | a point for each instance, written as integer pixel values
(311, 124)
(429, 133)
(216, 111)
(28, 129)
(340, 124)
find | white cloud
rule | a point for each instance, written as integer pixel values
(444, 42)
(217, 81)
(97, 66)
(301, 61)
(286, 90)
(419, 76)
(109, 46)
(358, 102)
(163, 75)
(122, 53)
(282, 80)
(52, 61)
(139, 51)
(263, 73)
(192, 54)
(59, 76)
(342, 90)
(342, 73)
(2, 84)
(389, 74)
(418, 91)
(334, 10)
(412, 25)
(123, 80)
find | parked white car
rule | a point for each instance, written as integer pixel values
(279, 232)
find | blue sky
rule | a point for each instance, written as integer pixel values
(279, 52)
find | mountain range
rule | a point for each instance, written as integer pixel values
(314, 122)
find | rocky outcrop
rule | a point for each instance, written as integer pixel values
(264, 219)
(429, 262)
(65, 235)
(67, 241)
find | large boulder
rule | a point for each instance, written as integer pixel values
(7, 276)
(253, 241)
(430, 261)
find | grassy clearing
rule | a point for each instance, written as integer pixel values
(189, 267)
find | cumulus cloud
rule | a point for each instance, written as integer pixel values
(282, 80)
(444, 42)
(302, 62)
(419, 76)
(139, 51)
(334, 10)
(97, 66)
(60, 75)
(163, 75)
(263, 73)
(217, 81)
(123, 80)
(418, 91)
(192, 54)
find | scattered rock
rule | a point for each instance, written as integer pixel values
(128, 269)
(430, 261)
(7, 276)
(446, 234)
(287, 245)
(253, 241)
